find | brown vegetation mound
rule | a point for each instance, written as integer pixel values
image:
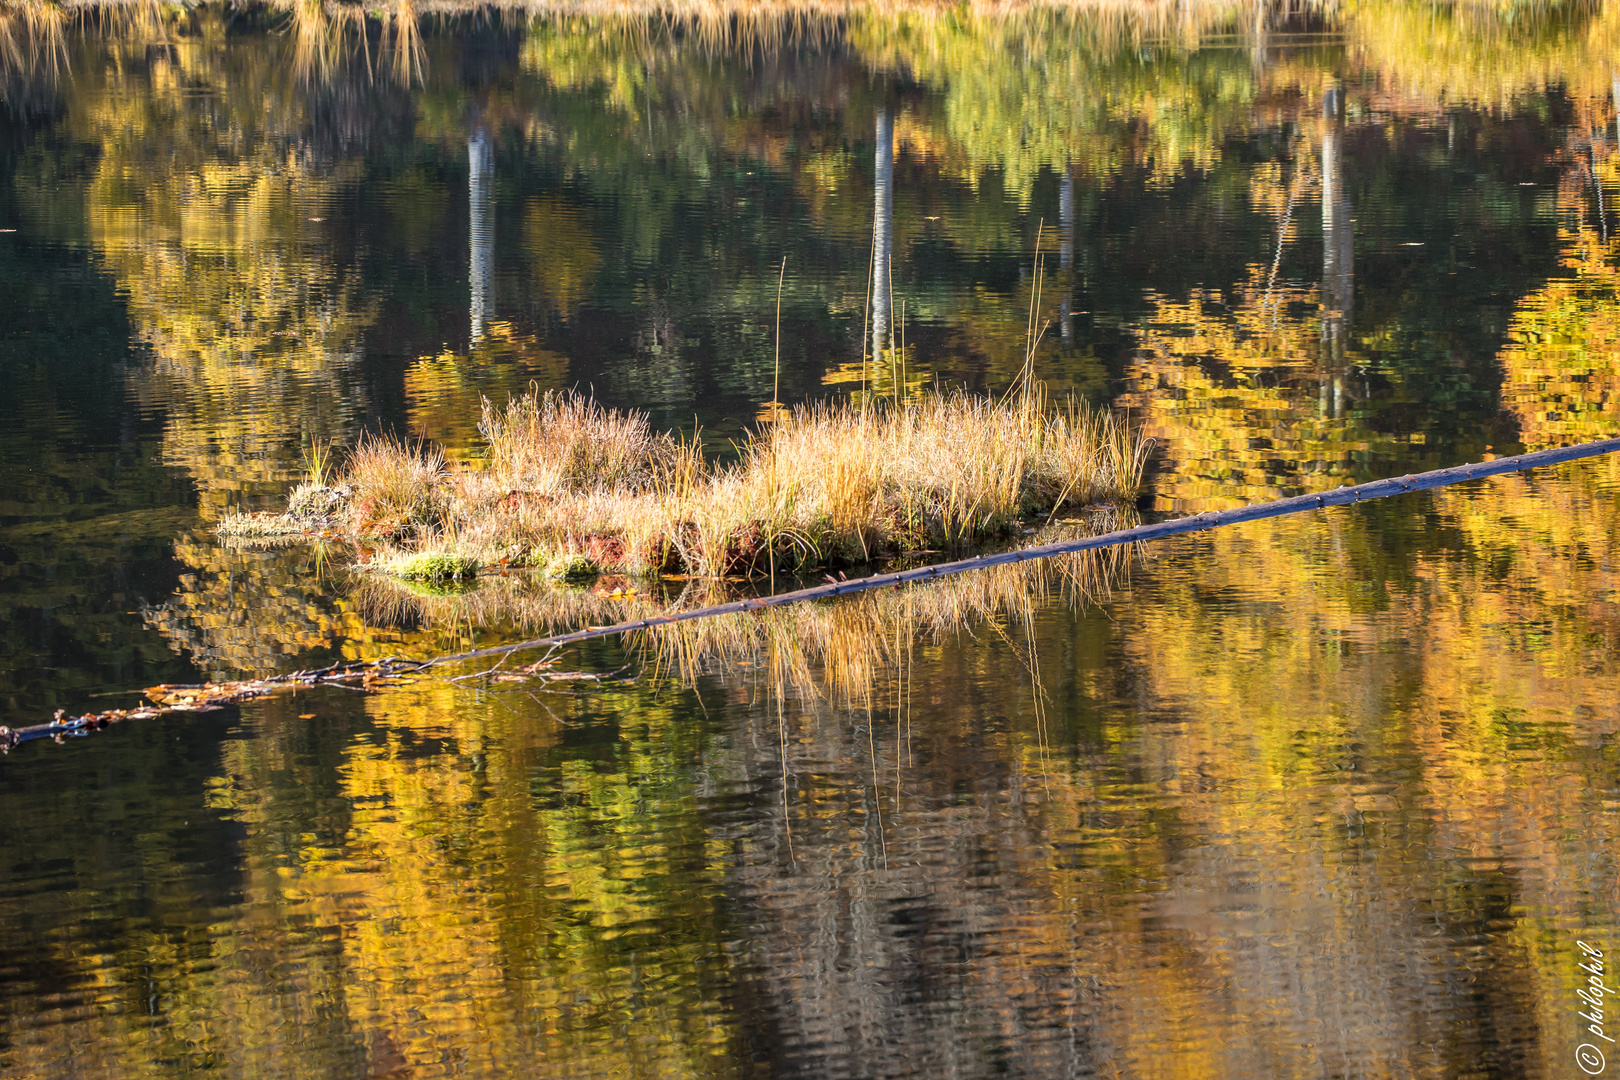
(579, 489)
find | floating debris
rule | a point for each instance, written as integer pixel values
(367, 676)
(211, 697)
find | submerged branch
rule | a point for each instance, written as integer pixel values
(371, 674)
(210, 697)
(363, 675)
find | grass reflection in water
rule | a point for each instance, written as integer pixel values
(1242, 765)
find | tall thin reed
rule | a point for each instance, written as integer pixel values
(893, 370)
(776, 400)
(776, 382)
(318, 463)
(866, 312)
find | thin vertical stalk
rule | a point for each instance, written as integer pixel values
(776, 414)
(776, 382)
(893, 360)
(902, 381)
(877, 791)
(781, 735)
(866, 312)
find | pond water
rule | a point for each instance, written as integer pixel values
(1336, 795)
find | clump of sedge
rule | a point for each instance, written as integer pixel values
(579, 489)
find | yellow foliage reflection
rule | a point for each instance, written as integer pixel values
(1310, 673)
(445, 393)
(569, 255)
(1431, 55)
(240, 609)
(1234, 386)
(210, 219)
(1561, 368)
(1049, 88)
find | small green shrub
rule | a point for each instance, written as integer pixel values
(432, 566)
(571, 566)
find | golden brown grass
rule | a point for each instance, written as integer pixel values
(257, 526)
(577, 488)
(395, 489)
(556, 442)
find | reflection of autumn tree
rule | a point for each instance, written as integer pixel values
(569, 252)
(165, 994)
(1097, 86)
(614, 84)
(640, 118)
(1308, 668)
(445, 393)
(1432, 55)
(1043, 89)
(239, 610)
(1008, 96)
(207, 206)
(408, 907)
(1561, 366)
(1280, 698)
(1232, 384)
(1020, 92)
(476, 924)
(484, 926)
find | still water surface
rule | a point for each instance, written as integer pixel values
(1330, 796)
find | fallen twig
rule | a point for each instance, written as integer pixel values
(211, 697)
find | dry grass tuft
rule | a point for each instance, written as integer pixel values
(838, 485)
(395, 490)
(579, 489)
(260, 526)
(315, 504)
(555, 442)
